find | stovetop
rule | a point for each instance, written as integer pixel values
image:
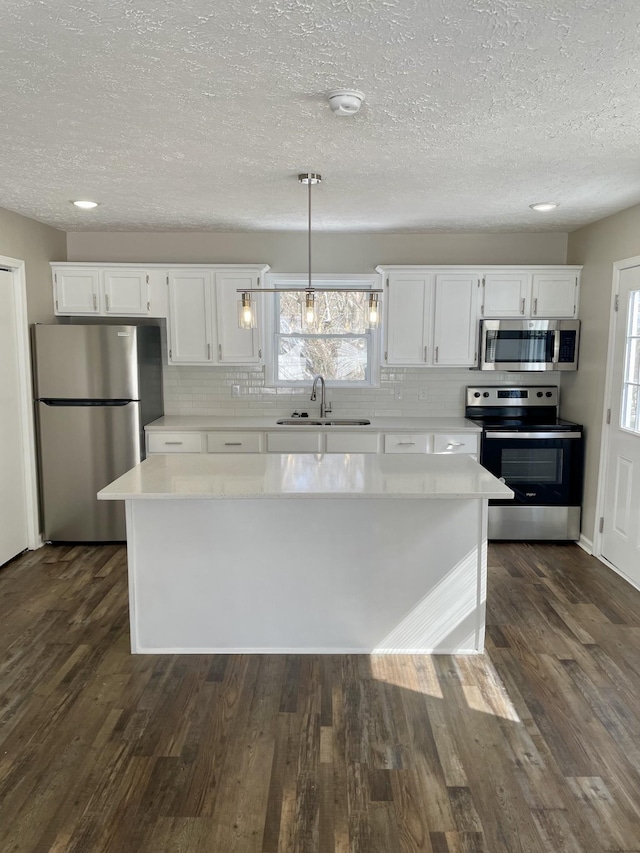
(527, 424)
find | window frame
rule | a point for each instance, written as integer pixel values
(374, 337)
(627, 383)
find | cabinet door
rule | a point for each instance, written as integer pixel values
(455, 319)
(408, 318)
(554, 295)
(77, 291)
(126, 292)
(505, 294)
(190, 327)
(235, 345)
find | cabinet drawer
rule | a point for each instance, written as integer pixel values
(451, 443)
(282, 442)
(343, 442)
(234, 442)
(174, 442)
(406, 443)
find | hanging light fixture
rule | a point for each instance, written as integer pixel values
(309, 309)
(247, 307)
(246, 311)
(373, 311)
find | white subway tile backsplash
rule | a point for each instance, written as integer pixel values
(207, 391)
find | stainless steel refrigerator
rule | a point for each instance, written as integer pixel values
(96, 387)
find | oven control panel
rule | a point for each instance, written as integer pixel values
(481, 396)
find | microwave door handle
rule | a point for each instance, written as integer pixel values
(556, 346)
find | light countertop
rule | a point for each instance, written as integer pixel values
(197, 423)
(305, 475)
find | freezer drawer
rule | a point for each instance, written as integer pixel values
(82, 448)
(87, 362)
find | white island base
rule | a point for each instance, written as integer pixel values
(307, 554)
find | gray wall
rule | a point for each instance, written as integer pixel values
(35, 244)
(347, 253)
(596, 246)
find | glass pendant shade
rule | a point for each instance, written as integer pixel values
(373, 311)
(246, 312)
(309, 308)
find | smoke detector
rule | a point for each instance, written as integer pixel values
(345, 102)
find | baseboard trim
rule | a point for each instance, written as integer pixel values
(585, 544)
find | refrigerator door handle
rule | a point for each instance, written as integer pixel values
(74, 403)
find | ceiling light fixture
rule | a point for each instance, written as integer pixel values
(544, 206)
(345, 102)
(246, 306)
(86, 205)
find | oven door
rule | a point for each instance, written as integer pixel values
(542, 468)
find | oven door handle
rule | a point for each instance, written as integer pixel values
(555, 435)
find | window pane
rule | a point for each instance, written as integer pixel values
(630, 407)
(633, 361)
(341, 313)
(335, 358)
(634, 312)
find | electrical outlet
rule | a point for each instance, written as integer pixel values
(423, 393)
(235, 390)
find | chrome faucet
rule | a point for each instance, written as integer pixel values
(325, 407)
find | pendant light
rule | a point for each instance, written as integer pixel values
(309, 309)
(247, 306)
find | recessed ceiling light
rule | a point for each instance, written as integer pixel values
(544, 206)
(86, 205)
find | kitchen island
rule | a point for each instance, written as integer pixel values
(322, 553)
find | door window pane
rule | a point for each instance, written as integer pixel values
(630, 417)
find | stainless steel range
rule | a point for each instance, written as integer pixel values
(537, 454)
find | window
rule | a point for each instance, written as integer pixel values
(337, 344)
(631, 383)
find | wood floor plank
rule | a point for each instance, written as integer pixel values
(530, 748)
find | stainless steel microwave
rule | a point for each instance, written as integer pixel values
(529, 344)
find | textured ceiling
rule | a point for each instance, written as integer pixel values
(197, 114)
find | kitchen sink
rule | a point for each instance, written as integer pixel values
(299, 422)
(347, 422)
(336, 422)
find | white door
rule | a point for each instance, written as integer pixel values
(554, 295)
(190, 320)
(455, 336)
(14, 536)
(408, 318)
(126, 292)
(621, 530)
(235, 345)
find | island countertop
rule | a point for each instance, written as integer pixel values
(302, 475)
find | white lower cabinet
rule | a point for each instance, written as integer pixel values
(348, 442)
(174, 442)
(234, 442)
(294, 442)
(455, 443)
(312, 441)
(405, 443)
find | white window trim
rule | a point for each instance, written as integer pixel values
(372, 281)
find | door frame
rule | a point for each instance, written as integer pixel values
(618, 267)
(17, 268)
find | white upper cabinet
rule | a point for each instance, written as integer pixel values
(554, 294)
(455, 319)
(203, 315)
(431, 317)
(77, 290)
(109, 290)
(408, 317)
(190, 327)
(544, 293)
(505, 294)
(126, 291)
(235, 345)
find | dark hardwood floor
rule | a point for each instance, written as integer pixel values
(534, 746)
